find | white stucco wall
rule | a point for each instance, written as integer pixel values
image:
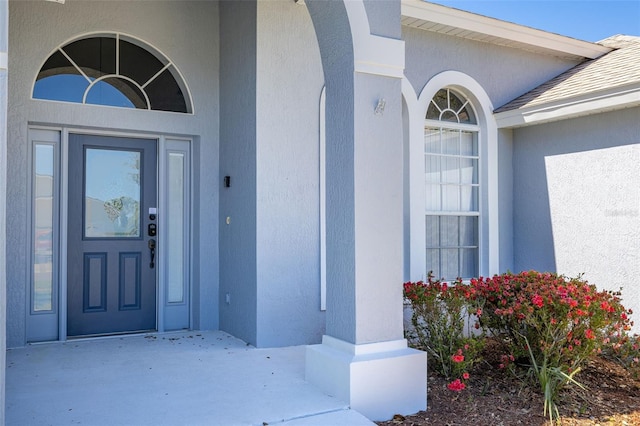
(577, 201)
(288, 87)
(187, 33)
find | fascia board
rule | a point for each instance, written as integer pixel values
(506, 30)
(592, 103)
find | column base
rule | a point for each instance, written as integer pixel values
(376, 379)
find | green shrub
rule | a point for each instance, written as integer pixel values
(439, 327)
(625, 350)
(548, 322)
(554, 322)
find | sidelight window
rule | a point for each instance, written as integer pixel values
(44, 183)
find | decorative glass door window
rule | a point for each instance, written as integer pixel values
(112, 194)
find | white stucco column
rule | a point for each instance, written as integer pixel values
(363, 357)
(4, 59)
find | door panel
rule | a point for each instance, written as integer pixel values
(111, 285)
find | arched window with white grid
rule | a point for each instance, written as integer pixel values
(112, 69)
(453, 186)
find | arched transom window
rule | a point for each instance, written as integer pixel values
(452, 207)
(114, 70)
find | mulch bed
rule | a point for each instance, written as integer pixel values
(496, 398)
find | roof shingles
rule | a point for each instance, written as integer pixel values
(616, 68)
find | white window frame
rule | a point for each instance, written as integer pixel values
(474, 129)
(118, 36)
(54, 322)
(42, 325)
(488, 238)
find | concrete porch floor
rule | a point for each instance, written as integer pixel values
(185, 378)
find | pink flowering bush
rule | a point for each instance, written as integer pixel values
(457, 385)
(565, 320)
(553, 322)
(545, 322)
(439, 320)
(625, 350)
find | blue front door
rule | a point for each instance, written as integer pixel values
(111, 271)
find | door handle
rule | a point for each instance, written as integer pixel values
(152, 249)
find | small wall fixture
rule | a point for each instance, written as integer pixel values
(380, 107)
(227, 181)
(57, 1)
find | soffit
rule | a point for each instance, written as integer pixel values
(459, 23)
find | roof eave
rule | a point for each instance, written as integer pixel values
(483, 26)
(591, 103)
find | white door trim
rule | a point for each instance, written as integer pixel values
(63, 217)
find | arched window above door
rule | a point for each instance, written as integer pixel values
(113, 70)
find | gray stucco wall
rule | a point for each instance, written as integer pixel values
(331, 27)
(4, 15)
(504, 73)
(289, 83)
(384, 17)
(238, 276)
(576, 195)
(505, 199)
(364, 189)
(378, 258)
(187, 33)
